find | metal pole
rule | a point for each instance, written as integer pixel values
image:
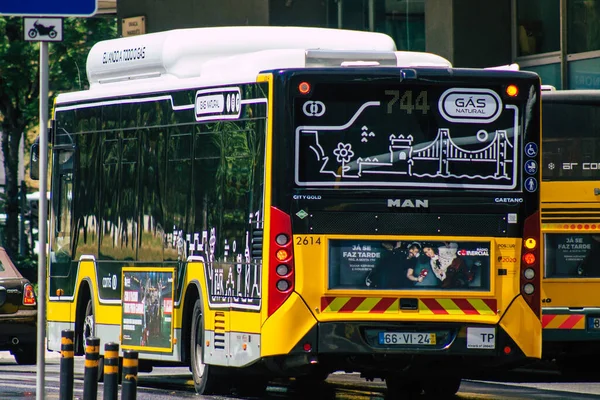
(111, 371)
(130, 370)
(90, 372)
(22, 207)
(339, 13)
(40, 393)
(371, 11)
(66, 365)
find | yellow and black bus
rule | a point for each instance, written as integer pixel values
(571, 227)
(261, 202)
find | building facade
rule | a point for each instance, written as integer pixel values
(558, 39)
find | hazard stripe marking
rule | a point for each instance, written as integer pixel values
(386, 305)
(351, 305)
(563, 321)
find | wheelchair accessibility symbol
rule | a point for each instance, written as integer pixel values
(531, 149)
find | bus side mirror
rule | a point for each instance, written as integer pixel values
(34, 161)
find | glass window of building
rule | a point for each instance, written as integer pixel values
(583, 26)
(403, 20)
(538, 26)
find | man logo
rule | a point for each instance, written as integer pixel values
(313, 108)
(408, 203)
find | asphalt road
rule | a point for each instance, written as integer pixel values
(18, 382)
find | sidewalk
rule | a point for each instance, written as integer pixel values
(50, 355)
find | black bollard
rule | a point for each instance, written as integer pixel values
(111, 371)
(90, 373)
(66, 365)
(130, 371)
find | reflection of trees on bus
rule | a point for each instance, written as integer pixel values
(147, 179)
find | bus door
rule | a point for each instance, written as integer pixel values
(62, 207)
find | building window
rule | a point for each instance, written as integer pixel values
(403, 20)
(549, 74)
(583, 25)
(538, 26)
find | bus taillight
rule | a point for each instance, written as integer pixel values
(530, 264)
(281, 260)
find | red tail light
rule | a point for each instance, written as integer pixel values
(530, 264)
(28, 295)
(281, 260)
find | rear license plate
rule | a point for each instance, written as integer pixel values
(407, 338)
(594, 323)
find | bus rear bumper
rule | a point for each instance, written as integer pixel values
(357, 347)
(571, 332)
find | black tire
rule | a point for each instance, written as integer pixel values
(205, 379)
(52, 34)
(81, 330)
(32, 33)
(251, 386)
(402, 388)
(26, 356)
(316, 376)
(575, 368)
(444, 388)
(88, 329)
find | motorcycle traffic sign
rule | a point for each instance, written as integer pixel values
(43, 29)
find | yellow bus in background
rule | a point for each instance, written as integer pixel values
(261, 202)
(571, 227)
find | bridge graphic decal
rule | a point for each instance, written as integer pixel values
(352, 154)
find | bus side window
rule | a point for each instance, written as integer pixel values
(62, 200)
(34, 164)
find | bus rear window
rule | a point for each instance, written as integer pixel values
(571, 141)
(572, 255)
(406, 136)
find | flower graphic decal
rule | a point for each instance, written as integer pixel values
(343, 153)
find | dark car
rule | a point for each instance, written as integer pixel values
(18, 313)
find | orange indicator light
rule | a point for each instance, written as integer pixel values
(304, 87)
(281, 254)
(512, 90)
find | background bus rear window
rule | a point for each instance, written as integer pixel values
(572, 255)
(571, 141)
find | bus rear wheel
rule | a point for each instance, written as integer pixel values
(205, 378)
(444, 388)
(402, 388)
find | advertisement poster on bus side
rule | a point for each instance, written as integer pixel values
(572, 255)
(409, 265)
(147, 321)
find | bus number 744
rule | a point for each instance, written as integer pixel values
(408, 102)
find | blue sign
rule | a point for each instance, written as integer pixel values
(531, 184)
(56, 8)
(531, 149)
(531, 167)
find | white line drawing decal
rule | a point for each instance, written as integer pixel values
(488, 159)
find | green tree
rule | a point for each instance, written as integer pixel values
(19, 91)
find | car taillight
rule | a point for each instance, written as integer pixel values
(530, 264)
(281, 260)
(28, 295)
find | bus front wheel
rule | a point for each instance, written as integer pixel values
(205, 379)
